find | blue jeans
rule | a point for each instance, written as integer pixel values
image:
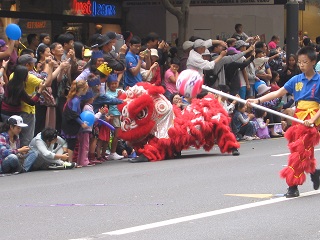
(243, 92)
(11, 164)
(29, 160)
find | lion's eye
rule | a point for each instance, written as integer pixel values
(142, 114)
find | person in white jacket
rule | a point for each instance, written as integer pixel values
(195, 60)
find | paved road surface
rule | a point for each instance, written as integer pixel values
(197, 197)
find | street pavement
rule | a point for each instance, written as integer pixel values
(201, 196)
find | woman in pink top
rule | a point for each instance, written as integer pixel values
(275, 40)
(171, 77)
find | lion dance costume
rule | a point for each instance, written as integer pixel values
(302, 141)
(159, 130)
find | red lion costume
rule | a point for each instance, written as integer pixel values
(159, 130)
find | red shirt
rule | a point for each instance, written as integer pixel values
(274, 87)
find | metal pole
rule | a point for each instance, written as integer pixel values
(253, 104)
(292, 36)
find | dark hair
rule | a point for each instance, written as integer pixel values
(259, 113)
(65, 38)
(151, 37)
(273, 52)
(30, 37)
(172, 96)
(40, 50)
(274, 75)
(237, 26)
(215, 45)
(293, 56)
(78, 46)
(194, 38)
(274, 37)
(49, 134)
(309, 51)
(5, 126)
(202, 94)
(16, 85)
(260, 44)
(43, 35)
(54, 45)
(135, 40)
(173, 51)
(26, 51)
(306, 41)
(239, 105)
(259, 50)
(175, 60)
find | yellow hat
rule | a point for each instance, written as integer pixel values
(103, 68)
(87, 53)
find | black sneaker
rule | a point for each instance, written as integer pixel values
(55, 167)
(292, 192)
(235, 152)
(315, 178)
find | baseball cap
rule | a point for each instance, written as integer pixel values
(187, 44)
(26, 58)
(154, 52)
(199, 43)
(262, 89)
(17, 121)
(240, 43)
(232, 51)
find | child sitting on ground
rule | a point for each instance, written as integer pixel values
(241, 123)
(262, 126)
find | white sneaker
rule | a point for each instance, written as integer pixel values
(115, 156)
(247, 138)
(69, 165)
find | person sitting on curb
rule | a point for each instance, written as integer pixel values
(11, 154)
(52, 152)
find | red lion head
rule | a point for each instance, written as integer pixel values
(144, 108)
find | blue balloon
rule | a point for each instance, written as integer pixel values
(87, 117)
(13, 31)
(106, 124)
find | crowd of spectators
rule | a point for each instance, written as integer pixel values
(45, 86)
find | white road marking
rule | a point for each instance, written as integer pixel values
(285, 154)
(195, 216)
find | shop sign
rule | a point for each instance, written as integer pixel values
(36, 25)
(94, 8)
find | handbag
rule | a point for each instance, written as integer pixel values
(47, 98)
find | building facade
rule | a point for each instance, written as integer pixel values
(55, 17)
